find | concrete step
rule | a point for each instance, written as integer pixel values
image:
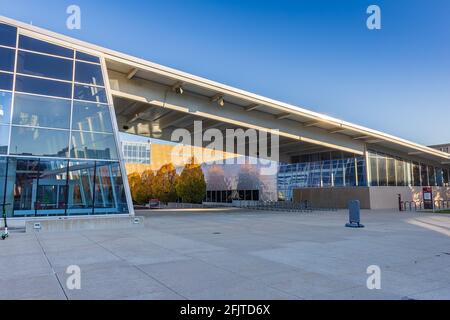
(83, 223)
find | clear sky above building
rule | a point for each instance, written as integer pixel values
(316, 54)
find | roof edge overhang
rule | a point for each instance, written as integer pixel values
(246, 96)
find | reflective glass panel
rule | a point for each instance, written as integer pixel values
(87, 57)
(88, 145)
(315, 174)
(338, 173)
(44, 87)
(350, 173)
(39, 142)
(26, 180)
(424, 174)
(44, 66)
(81, 188)
(51, 187)
(4, 137)
(89, 73)
(5, 107)
(109, 189)
(32, 44)
(6, 81)
(7, 57)
(361, 169)
(401, 181)
(41, 111)
(326, 173)
(446, 177)
(8, 35)
(3, 162)
(431, 176)
(382, 172)
(439, 177)
(373, 166)
(416, 175)
(391, 172)
(88, 93)
(91, 117)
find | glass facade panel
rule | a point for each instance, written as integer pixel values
(44, 66)
(118, 190)
(382, 172)
(26, 177)
(446, 177)
(51, 187)
(43, 86)
(373, 166)
(39, 142)
(81, 188)
(136, 152)
(416, 175)
(315, 174)
(431, 176)
(41, 111)
(361, 170)
(88, 145)
(6, 81)
(38, 186)
(338, 173)
(89, 73)
(89, 93)
(424, 175)
(7, 58)
(91, 117)
(4, 137)
(3, 181)
(87, 57)
(327, 180)
(5, 107)
(391, 172)
(349, 172)
(8, 35)
(439, 177)
(401, 181)
(325, 173)
(32, 44)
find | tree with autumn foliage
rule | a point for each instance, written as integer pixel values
(148, 184)
(164, 184)
(137, 188)
(191, 184)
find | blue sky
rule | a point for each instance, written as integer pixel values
(317, 54)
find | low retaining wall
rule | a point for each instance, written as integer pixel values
(83, 223)
(370, 197)
(337, 198)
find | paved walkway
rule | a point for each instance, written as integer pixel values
(236, 255)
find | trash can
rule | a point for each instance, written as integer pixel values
(354, 208)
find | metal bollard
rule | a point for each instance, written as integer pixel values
(354, 208)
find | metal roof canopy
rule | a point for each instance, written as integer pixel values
(135, 67)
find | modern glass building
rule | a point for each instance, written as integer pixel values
(58, 143)
(63, 103)
(339, 169)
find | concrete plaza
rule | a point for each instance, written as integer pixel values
(236, 254)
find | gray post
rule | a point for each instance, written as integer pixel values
(354, 208)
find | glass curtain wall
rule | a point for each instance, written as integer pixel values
(386, 170)
(59, 149)
(337, 170)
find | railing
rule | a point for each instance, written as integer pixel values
(282, 206)
(419, 205)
